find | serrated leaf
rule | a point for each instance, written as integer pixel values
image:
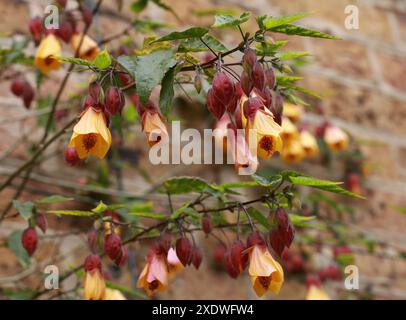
(102, 60)
(78, 61)
(139, 5)
(289, 55)
(24, 209)
(148, 70)
(148, 215)
(228, 20)
(101, 207)
(146, 26)
(179, 185)
(167, 92)
(53, 199)
(197, 45)
(184, 209)
(330, 186)
(282, 80)
(194, 32)
(291, 29)
(78, 213)
(272, 22)
(300, 221)
(269, 49)
(259, 217)
(265, 181)
(15, 245)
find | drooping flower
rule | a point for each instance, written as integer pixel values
(315, 292)
(309, 143)
(245, 161)
(154, 276)
(88, 48)
(293, 151)
(47, 53)
(95, 287)
(336, 138)
(113, 294)
(91, 136)
(154, 127)
(266, 274)
(289, 130)
(292, 111)
(174, 264)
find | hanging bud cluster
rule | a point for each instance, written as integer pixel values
(282, 234)
(23, 89)
(29, 237)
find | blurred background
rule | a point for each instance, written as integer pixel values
(363, 80)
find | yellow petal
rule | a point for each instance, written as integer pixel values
(289, 130)
(293, 151)
(316, 293)
(48, 50)
(88, 50)
(309, 143)
(113, 294)
(95, 286)
(292, 111)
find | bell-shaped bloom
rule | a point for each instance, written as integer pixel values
(154, 276)
(267, 133)
(113, 294)
(309, 143)
(88, 48)
(174, 264)
(265, 272)
(244, 159)
(289, 130)
(335, 138)
(293, 151)
(47, 53)
(91, 136)
(315, 292)
(220, 133)
(292, 111)
(95, 287)
(154, 127)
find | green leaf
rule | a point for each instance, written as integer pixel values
(102, 60)
(259, 217)
(330, 186)
(242, 184)
(303, 90)
(146, 26)
(285, 80)
(179, 185)
(15, 245)
(148, 215)
(289, 55)
(77, 213)
(24, 209)
(139, 5)
(101, 207)
(53, 199)
(268, 23)
(126, 290)
(22, 294)
(291, 29)
(78, 61)
(269, 49)
(300, 221)
(196, 44)
(194, 32)
(148, 70)
(267, 182)
(184, 209)
(228, 20)
(167, 92)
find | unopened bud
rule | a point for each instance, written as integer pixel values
(270, 78)
(112, 246)
(71, 156)
(92, 262)
(255, 239)
(258, 76)
(42, 222)
(198, 83)
(184, 251)
(65, 31)
(248, 60)
(17, 87)
(96, 92)
(223, 88)
(87, 15)
(36, 29)
(214, 104)
(29, 240)
(207, 224)
(28, 95)
(246, 83)
(114, 100)
(197, 257)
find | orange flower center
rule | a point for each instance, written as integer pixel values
(264, 281)
(266, 144)
(49, 60)
(89, 141)
(153, 285)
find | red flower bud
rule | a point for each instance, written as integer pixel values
(62, 3)
(92, 262)
(71, 156)
(258, 76)
(249, 59)
(354, 183)
(96, 92)
(214, 105)
(232, 271)
(251, 106)
(238, 257)
(29, 239)
(218, 254)
(197, 257)
(312, 280)
(255, 239)
(17, 87)
(112, 246)
(284, 232)
(87, 15)
(36, 29)
(207, 224)
(125, 78)
(122, 258)
(246, 83)
(223, 88)
(65, 31)
(270, 79)
(184, 251)
(89, 102)
(114, 100)
(42, 222)
(28, 95)
(91, 239)
(166, 240)
(277, 108)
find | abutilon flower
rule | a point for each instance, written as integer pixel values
(36, 28)
(108, 226)
(47, 53)
(184, 250)
(292, 111)
(95, 286)
(267, 133)
(197, 257)
(113, 294)
(265, 272)
(244, 159)
(335, 138)
(154, 127)
(236, 259)
(309, 143)
(88, 49)
(174, 264)
(91, 136)
(154, 276)
(289, 130)
(220, 133)
(293, 151)
(315, 292)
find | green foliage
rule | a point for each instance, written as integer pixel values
(291, 29)
(259, 217)
(25, 209)
(197, 44)
(56, 198)
(167, 92)
(228, 20)
(181, 185)
(78, 213)
(15, 245)
(102, 60)
(268, 23)
(194, 32)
